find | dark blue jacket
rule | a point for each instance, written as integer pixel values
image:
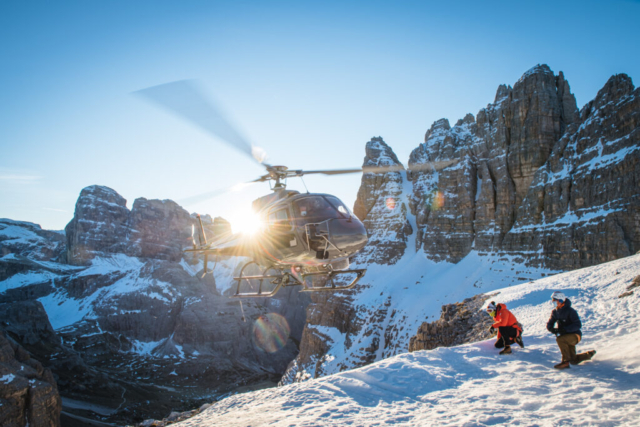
(567, 318)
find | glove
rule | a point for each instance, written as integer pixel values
(554, 331)
(561, 331)
(492, 330)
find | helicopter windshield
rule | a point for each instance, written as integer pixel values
(316, 209)
(341, 207)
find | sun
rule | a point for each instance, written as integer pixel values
(246, 223)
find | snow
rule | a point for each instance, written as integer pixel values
(471, 385)
(7, 378)
(112, 264)
(145, 348)
(64, 311)
(416, 288)
(25, 279)
(19, 232)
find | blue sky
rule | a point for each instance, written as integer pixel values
(311, 82)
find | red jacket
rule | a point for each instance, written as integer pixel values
(505, 318)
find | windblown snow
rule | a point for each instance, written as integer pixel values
(471, 385)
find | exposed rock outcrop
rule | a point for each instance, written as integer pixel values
(28, 392)
(99, 224)
(159, 229)
(459, 323)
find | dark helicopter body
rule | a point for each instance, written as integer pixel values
(307, 230)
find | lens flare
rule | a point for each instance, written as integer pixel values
(246, 223)
(391, 203)
(436, 200)
(271, 332)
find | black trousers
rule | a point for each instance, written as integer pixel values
(508, 336)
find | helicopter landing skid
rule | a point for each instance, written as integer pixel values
(268, 282)
(329, 284)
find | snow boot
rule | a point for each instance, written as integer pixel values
(519, 341)
(507, 350)
(563, 365)
(583, 357)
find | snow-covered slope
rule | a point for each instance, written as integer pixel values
(471, 384)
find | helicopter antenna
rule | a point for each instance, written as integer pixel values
(244, 319)
(305, 185)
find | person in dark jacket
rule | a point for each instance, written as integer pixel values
(509, 330)
(568, 331)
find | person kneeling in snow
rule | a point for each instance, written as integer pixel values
(568, 333)
(509, 330)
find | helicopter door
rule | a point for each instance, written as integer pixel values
(283, 237)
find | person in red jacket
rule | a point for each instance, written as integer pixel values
(509, 330)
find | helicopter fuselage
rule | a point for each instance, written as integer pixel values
(311, 231)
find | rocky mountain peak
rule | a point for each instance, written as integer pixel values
(380, 206)
(617, 87)
(467, 120)
(502, 93)
(101, 193)
(439, 127)
(539, 72)
(159, 229)
(378, 153)
(532, 185)
(102, 223)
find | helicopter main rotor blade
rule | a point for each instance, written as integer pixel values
(421, 167)
(185, 99)
(198, 198)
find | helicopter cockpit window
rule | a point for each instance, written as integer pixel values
(279, 220)
(314, 209)
(341, 207)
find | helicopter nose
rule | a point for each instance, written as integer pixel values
(348, 235)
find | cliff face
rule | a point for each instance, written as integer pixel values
(534, 187)
(582, 207)
(535, 178)
(129, 316)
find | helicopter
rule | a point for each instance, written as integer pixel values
(306, 239)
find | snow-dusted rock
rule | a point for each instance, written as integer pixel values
(473, 203)
(30, 240)
(381, 207)
(583, 207)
